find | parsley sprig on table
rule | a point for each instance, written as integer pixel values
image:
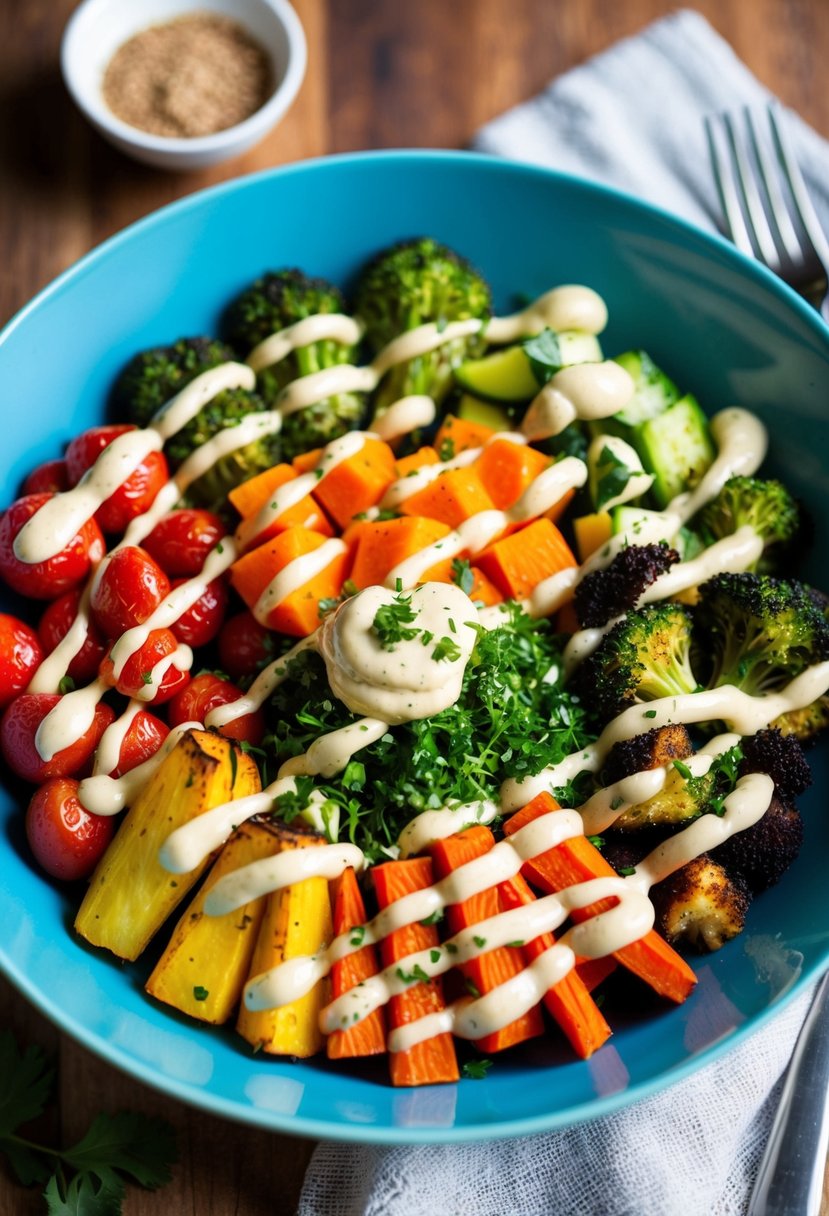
(90, 1177)
(512, 719)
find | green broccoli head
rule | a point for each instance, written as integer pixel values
(644, 657)
(153, 376)
(226, 409)
(757, 632)
(766, 506)
(411, 284)
(275, 301)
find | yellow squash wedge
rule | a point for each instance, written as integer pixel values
(204, 968)
(297, 921)
(130, 894)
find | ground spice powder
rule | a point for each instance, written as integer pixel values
(192, 76)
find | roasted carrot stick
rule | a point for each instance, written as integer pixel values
(569, 1001)
(497, 966)
(577, 860)
(366, 1037)
(594, 971)
(433, 1060)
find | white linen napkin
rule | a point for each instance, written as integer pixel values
(631, 117)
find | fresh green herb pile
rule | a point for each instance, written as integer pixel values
(512, 719)
(89, 1178)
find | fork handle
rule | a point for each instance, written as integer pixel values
(790, 1179)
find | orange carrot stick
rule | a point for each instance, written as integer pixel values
(368, 1036)
(577, 860)
(494, 967)
(569, 1001)
(433, 1060)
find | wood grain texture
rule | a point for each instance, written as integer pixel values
(381, 74)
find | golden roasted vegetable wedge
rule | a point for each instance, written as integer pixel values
(297, 921)
(130, 894)
(203, 970)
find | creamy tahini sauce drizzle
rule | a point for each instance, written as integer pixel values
(586, 391)
(321, 327)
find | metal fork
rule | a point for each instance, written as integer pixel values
(767, 207)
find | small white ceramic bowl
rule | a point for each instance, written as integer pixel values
(98, 27)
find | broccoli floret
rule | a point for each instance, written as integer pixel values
(152, 377)
(766, 506)
(762, 853)
(275, 301)
(653, 749)
(781, 756)
(414, 283)
(757, 632)
(643, 657)
(684, 797)
(805, 723)
(701, 906)
(605, 594)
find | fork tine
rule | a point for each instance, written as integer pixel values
(724, 178)
(782, 227)
(806, 212)
(758, 224)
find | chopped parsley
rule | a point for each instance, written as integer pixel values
(462, 574)
(392, 622)
(476, 1070)
(416, 976)
(544, 354)
(447, 649)
(612, 477)
(199, 993)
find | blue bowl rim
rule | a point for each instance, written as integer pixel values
(595, 1108)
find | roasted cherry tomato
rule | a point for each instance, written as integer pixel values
(137, 679)
(244, 645)
(18, 728)
(55, 624)
(49, 478)
(181, 541)
(20, 657)
(67, 840)
(144, 737)
(46, 580)
(207, 692)
(130, 588)
(135, 495)
(200, 624)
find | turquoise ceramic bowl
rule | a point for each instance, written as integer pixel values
(723, 327)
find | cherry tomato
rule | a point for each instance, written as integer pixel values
(137, 677)
(143, 739)
(46, 580)
(18, 728)
(67, 840)
(244, 645)
(200, 624)
(20, 657)
(207, 692)
(49, 478)
(135, 495)
(130, 588)
(181, 541)
(55, 624)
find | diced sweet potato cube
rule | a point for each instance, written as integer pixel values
(507, 469)
(456, 435)
(519, 562)
(453, 497)
(251, 496)
(357, 483)
(417, 460)
(382, 545)
(298, 612)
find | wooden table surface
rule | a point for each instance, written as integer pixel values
(381, 73)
